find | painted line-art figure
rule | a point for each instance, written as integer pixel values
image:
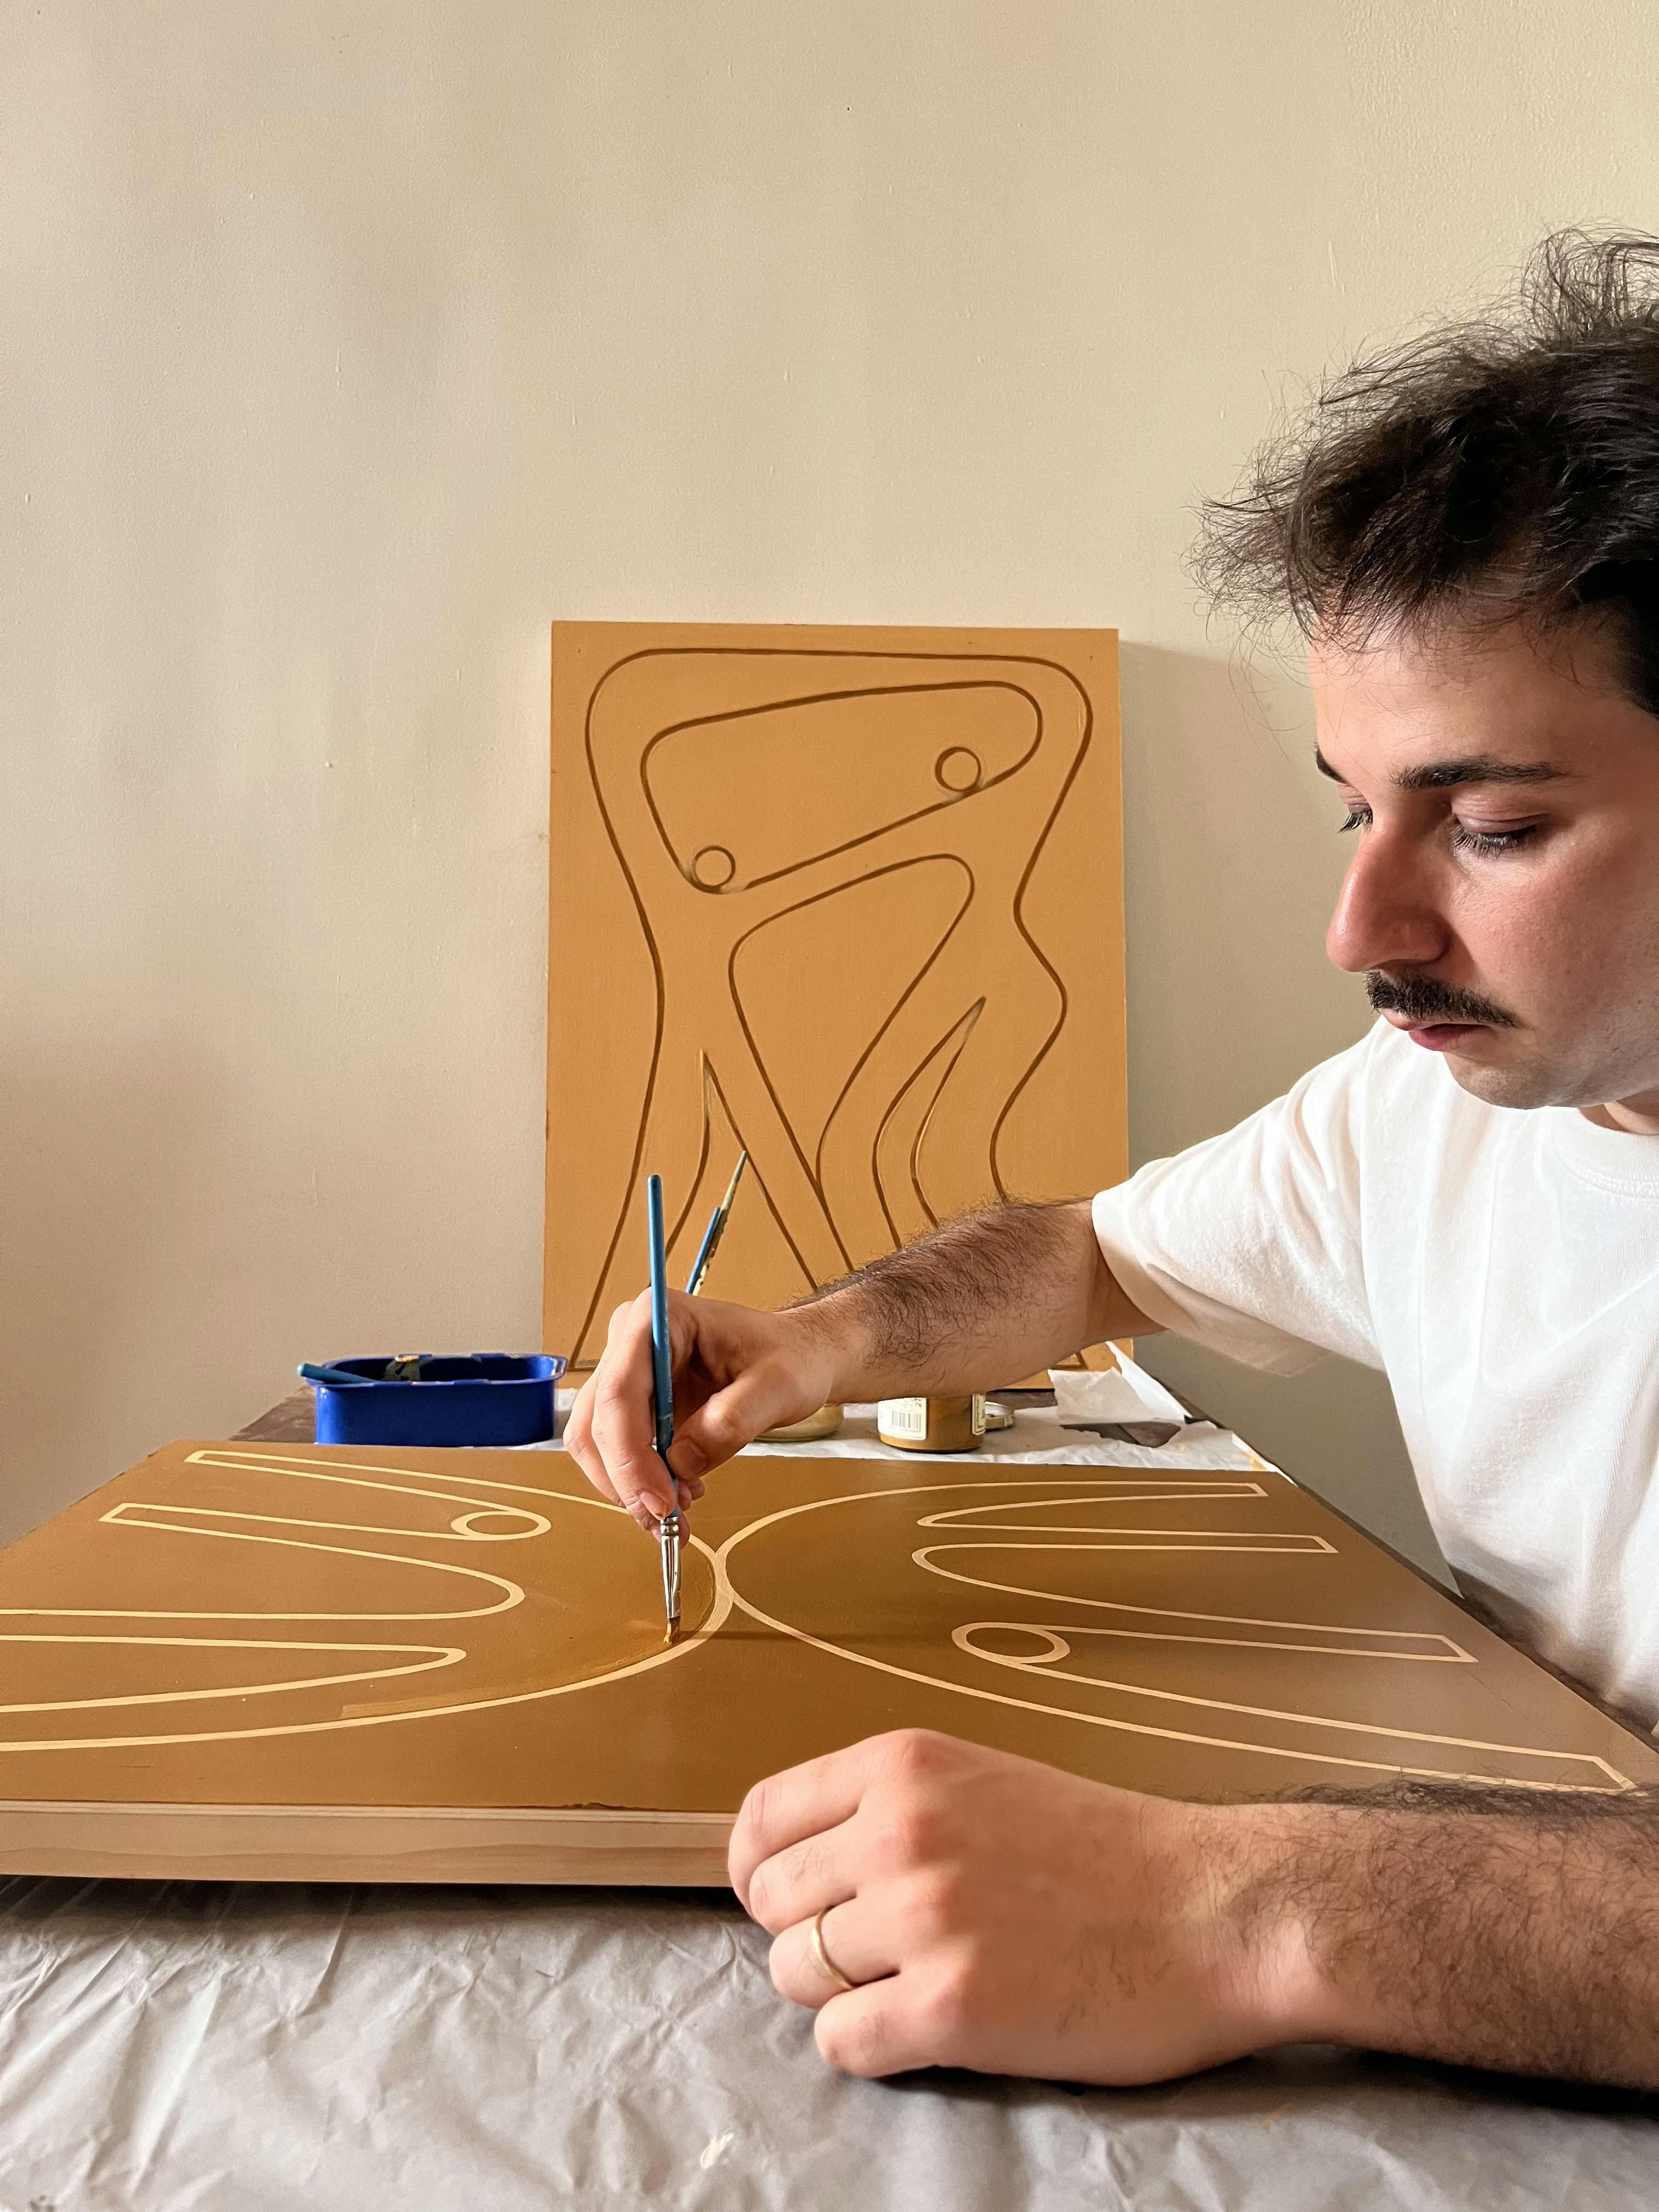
(828, 855)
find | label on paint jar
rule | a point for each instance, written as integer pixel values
(902, 1417)
(934, 1424)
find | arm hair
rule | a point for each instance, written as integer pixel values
(979, 1302)
(1482, 1925)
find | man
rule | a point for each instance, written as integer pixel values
(1467, 532)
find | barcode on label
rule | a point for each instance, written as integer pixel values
(902, 1417)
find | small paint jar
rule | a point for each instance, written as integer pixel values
(931, 1425)
(811, 1431)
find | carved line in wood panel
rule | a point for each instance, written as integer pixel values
(791, 701)
(814, 1169)
(961, 1030)
(811, 1169)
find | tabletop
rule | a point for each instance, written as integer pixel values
(241, 2046)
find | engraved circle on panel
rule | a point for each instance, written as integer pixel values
(1167, 1606)
(285, 1595)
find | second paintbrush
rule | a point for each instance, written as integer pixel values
(715, 1230)
(669, 1528)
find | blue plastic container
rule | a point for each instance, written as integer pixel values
(483, 1398)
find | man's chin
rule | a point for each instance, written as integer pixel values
(1487, 1070)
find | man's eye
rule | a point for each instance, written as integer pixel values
(1491, 841)
(1358, 817)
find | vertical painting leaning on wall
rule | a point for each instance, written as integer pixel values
(850, 898)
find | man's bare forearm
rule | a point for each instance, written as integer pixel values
(1477, 1925)
(982, 1301)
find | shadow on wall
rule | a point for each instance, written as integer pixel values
(95, 1217)
(1231, 867)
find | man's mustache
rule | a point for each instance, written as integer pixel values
(1420, 1000)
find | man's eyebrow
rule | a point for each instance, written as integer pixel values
(1447, 775)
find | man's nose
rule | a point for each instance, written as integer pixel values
(1386, 915)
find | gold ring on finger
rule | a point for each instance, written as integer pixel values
(831, 1971)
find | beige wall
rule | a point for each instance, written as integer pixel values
(341, 345)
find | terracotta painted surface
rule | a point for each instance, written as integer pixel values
(244, 1624)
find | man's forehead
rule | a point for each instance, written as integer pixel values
(1498, 709)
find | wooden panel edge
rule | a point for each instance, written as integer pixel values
(370, 1844)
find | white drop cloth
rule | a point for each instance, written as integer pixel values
(165, 2048)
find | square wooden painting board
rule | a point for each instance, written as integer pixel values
(297, 1661)
(852, 898)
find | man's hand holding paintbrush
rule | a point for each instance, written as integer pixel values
(996, 1294)
(735, 1373)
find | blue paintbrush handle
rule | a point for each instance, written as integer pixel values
(662, 1371)
(334, 1376)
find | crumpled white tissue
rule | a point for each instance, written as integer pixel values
(1124, 1393)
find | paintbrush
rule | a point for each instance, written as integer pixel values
(662, 1400)
(716, 1229)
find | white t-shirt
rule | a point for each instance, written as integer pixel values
(1502, 1268)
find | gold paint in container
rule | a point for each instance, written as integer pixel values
(811, 1431)
(931, 1425)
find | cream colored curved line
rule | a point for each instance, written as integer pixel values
(126, 1515)
(1140, 1493)
(1619, 1782)
(129, 1512)
(1452, 1653)
(284, 1464)
(239, 1458)
(435, 1656)
(1226, 1706)
(1243, 1543)
(514, 1594)
(1132, 1491)
(310, 1471)
(970, 1516)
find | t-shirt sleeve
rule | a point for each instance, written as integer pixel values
(1250, 1242)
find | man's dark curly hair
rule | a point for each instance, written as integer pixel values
(1506, 468)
